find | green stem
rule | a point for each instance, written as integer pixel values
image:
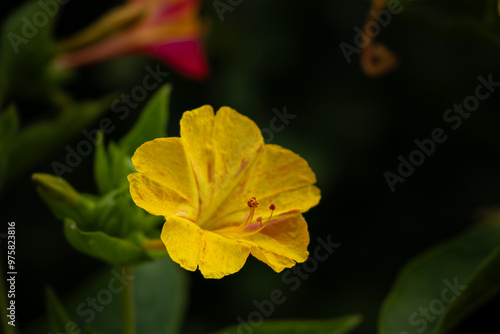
(128, 305)
(8, 329)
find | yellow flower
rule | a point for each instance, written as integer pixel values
(225, 194)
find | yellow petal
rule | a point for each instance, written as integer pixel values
(222, 148)
(238, 143)
(282, 242)
(196, 133)
(165, 183)
(183, 240)
(237, 140)
(192, 247)
(279, 177)
(222, 256)
(285, 179)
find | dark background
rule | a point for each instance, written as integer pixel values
(351, 129)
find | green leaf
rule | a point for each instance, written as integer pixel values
(161, 306)
(63, 210)
(102, 246)
(59, 320)
(109, 227)
(102, 170)
(121, 165)
(151, 124)
(27, 51)
(117, 215)
(112, 167)
(39, 140)
(338, 325)
(431, 286)
(58, 189)
(9, 125)
(159, 292)
(484, 285)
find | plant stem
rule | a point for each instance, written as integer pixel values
(128, 305)
(153, 244)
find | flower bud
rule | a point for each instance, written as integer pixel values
(57, 188)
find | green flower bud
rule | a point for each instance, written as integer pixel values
(57, 188)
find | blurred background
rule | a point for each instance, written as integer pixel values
(350, 127)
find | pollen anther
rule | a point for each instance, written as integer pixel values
(252, 202)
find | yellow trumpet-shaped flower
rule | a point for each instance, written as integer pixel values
(225, 194)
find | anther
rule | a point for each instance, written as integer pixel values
(252, 202)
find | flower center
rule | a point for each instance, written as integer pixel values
(240, 230)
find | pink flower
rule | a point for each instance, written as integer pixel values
(166, 29)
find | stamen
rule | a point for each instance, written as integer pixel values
(239, 231)
(253, 204)
(261, 226)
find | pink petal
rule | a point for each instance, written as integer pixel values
(187, 57)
